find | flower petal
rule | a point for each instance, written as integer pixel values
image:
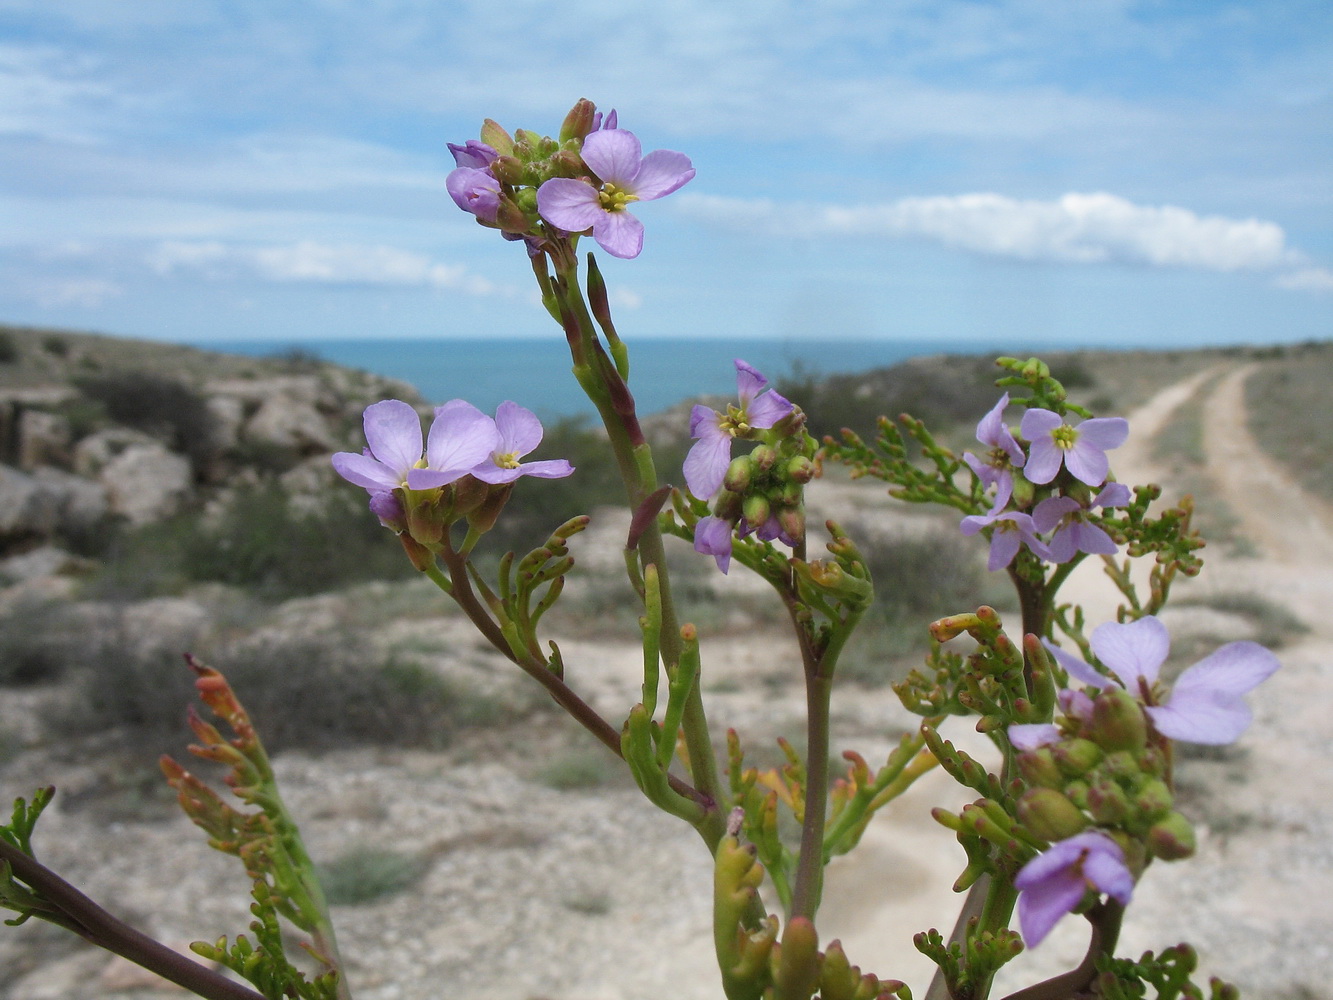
(750, 382)
(1133, 650)
(1004, 546)
(1104, 433)
(1030, 735)
(704, 421)
(1199, 718)
(706, 465)
(1076, 668)
(1087, 463)
(614, 156)
(767, 409)
(569, 204)
(393, 432)
(661, 172)
(712, 536)
(1044, 459)
(366, 472)
(1041, 907)
(1233, 669)
(1106, 870)
(1047, 514)
(520, 430)
(618, 233)
(461, 438)
(554, 468)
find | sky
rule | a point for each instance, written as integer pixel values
(1100, 172)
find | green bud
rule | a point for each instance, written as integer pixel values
(1117, 722)
(578, 123)
(1154, 799)
(728, 506)
(1108, 802)
(1153, 761)
(740, 473)
(1038, 768)
(510, 218)
(1121, 765)
(792, 522)
(1171, 837)
(757, 511)
(565, 163)
(1049, 815)
(508, 170)
(1077, 792)
(496, 137)
(764, 457)
(1076, 757)
(1024, 491)
(801, 469)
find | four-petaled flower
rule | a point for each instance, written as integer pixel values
(1206, 705)
(614, 155)
(712, 537)
(519, 432)
(1010, 531)
(760, 408)
(1004, 455)
(1081, 447)
(460, 438)
(1056, 881)
(1073, 532)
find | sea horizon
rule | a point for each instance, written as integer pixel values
(536, 372)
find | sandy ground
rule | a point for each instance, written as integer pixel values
(535, 893)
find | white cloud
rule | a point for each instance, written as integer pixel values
(84, 293)
(310, 262)
(1307, 279)
(1075, 228)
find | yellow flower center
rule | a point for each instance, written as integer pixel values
(1064, 437)
(507, 460)
(734, 422)
(614, 199)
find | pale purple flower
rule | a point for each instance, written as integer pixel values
(1004, 455)
(1010, 531)
(1073, 532)
(519, 433)
(475, 190)
(1055, 882)
(475, 154)
(712, 537)
(615, 156)
(760, 408)
(461, 437)
(1206, 705)
(1081, 447)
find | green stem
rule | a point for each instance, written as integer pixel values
(809, 885)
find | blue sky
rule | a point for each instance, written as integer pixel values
(1099, 172)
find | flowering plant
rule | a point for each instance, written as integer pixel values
(1072, 806)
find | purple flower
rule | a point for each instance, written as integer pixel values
(1206, 705)
(712, 537)
(1081, 447)
(474, 154)
(1073, 532)
(460, 438)
(1004, 455)
(1030, 735)
(519, 432)
(1055, 881)
(760, 408)
(475, 190)
(1010, 531)
(614, 155)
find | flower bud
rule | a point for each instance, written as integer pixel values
(800, 469)
(1038, 768)
(757, 511)
(1117, 722)
(1049, 815)
(740, 473)
(728, 506)
(1077, 793)
(1076, 757)
(578, 123)
(485, 515)
(508, 170)
(510, 218)
(566, 163)
(792, 522)
(1171, 837)
(1023, 493)
(1108, 802)
(764, 457)
(1154, 799)
(494, 135)
(1152, 761)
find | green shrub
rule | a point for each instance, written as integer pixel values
(9, 348)
(367, 874)
(156, 405)
(36, 644)
(580, 769)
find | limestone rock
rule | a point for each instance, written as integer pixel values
(146, 482)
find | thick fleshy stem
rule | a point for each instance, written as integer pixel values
(601, 379)
(1105, 919)
(102, 929)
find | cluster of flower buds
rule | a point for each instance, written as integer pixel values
(533, 187)
(760, 493)
(1099, 783)
(465, 468)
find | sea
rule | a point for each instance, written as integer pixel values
(536, 373)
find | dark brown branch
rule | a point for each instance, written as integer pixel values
(102, 929)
